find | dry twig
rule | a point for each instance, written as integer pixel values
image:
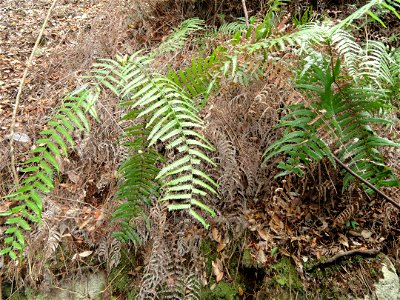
(21, 85)
(371, 186)
(333, 259)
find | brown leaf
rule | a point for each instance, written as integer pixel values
(220, 247)
(216, 235)
(85, 253)
(218, 270)
(261, 257)
(73, 176)
(343, 240)
(276, 224)
(264, 234)
(366, 234)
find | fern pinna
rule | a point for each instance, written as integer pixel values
(43, 166)
(340, 122)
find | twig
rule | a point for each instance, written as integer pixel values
(17, 99)
(336, 257)
(371, 186)
(246, 13)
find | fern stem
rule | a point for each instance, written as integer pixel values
(367, 183)
(17, 99)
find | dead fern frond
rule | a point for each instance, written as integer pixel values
(346, 214)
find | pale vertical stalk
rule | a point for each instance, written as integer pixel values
(246, 13)
(20, 87)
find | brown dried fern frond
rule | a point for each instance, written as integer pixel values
(346, 214)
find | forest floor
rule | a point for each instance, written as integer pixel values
(269, 235)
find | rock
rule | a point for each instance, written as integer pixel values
(87, 286)
(388, 287)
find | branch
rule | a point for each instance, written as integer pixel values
(246, 14)
(368, 252)
(371, 186)
(17, 99)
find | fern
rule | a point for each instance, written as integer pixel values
(170, 117)
(177, 39)
(232, 28)
(301, 19)
(264, 29)
(44, 165)
(345, 114)
(139, 184)
(199, 79)
(172, 120)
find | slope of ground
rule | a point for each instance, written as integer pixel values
(270, 234)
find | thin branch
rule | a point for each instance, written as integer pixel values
(368, 252)
(246, 13)
(371, 186)
(20, 87)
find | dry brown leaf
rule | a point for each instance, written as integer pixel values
(264, 234)
(216, 235)
(85, 253)
(221, 247)
(218, 270)
(366, 234)
(343, 240)
(73, 176)
(261, 257)
(276, 224)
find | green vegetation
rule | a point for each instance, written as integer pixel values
(222, 291)
(285, 275)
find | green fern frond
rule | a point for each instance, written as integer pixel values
(375, 64)
(347, 116)
(139, 184)
(198, 79)
(44, 165)
(232, 28)
(116, 74)
(172, 118)
(177, 39)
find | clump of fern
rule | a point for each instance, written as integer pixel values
(166, 107)
(43, 166)
(340, 123)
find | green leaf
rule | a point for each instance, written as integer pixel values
(51, 160)
(18, 220)
(376, 18)
(17, 245)
(5, 251)
(12, 255)
(203, 207)
(199, 218)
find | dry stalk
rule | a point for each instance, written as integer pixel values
(17, 99)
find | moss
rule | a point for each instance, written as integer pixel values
(207, 250)
(222, 291)
(285, 275)
(247, 260)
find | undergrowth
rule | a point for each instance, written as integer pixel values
(350, 90)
